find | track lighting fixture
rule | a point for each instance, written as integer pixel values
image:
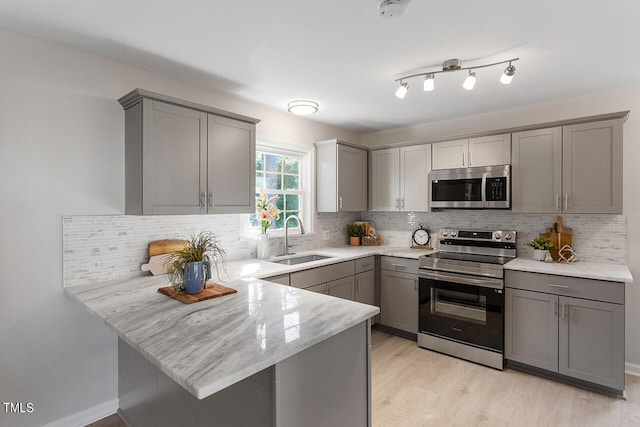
(508, 74)
(402, 90)
(451, 65)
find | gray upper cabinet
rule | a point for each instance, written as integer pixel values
(400, 178)
(592, 167)
(472, 152)
(571, 169)
(186, 158)
(341, 177)
(536, 159)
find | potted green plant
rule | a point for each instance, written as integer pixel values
(355, 231)
(192, 265)
(541, 246)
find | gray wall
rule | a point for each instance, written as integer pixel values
(62, 153)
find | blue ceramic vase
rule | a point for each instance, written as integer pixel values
(195, 275)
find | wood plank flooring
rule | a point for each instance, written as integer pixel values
(414, 387)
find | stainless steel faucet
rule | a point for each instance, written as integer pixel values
(286, 233)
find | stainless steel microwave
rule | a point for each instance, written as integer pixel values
(471, 188)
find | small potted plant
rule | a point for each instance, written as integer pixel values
(355, 231)
(541, 246)
(192, 265)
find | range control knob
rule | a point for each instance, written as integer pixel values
(507, 236)
(445, 233)
(497, 236)
(454, 233)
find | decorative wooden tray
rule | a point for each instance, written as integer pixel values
(211, 291)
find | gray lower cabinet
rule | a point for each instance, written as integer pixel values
(282, 279)
(185, 158)
(335, 279)
(570, 326)
(365, 287)
(342, 288)
(399, 293)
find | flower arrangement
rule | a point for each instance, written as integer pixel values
(266, 210)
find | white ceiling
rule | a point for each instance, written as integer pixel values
(342, 54)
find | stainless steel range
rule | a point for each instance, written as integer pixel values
(461, 295)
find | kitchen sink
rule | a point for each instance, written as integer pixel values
(300, 259)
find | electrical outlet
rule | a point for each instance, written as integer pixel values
(326, 234)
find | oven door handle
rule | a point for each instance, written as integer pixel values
(464, 280)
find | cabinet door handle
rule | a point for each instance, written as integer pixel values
(557, 202)
(463, 158)
(203, 202)
(398, 265)
(470, 153)
(554, 311)
(402, 202)
(340, 202)
(563, 309)
(566, 202)
(415, 283)
(558, 286)
(211, 200)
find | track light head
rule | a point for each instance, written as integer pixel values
(401, 92)
(429, 83)
(470, 81)
(508, 74)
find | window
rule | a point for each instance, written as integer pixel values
(282, 173)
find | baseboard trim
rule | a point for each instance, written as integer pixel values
(88, 416)
(632, 369)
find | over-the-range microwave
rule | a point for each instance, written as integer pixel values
(471, 188)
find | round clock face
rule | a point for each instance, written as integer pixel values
(421, 237)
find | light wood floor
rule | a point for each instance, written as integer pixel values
(414, 387)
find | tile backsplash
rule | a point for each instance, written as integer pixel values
(101, 248)
(596, 238)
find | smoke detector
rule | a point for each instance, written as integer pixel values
(391, 8)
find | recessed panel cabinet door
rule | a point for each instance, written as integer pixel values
(592, 167)
(536, 173)
(352, 179)
(415, 165)
(531, 328)
(592, 341)
(231, 166)
(490, 150)
(384, 180)
(174, 168)
(450, 154)
(341, 288)
(365, 287)
(399, 300)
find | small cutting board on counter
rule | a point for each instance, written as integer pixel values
(158, 253)
(560, 236)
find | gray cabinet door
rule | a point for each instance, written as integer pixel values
(352, 179)
(592, 341)
(399, 300)
(536, 173)
(490, 150)
(415, 165)
(592, 167)
(531, 328)
(341, 288)
(174, 171)
(384, 180)
(365, 287)
(231, 159)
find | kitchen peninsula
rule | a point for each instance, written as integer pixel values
(267, 355)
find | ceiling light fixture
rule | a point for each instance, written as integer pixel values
(402, 90)
(429, 84)
(452, 65)
(302, 107)
(391, 8)
(508, 74)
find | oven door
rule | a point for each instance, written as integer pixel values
(463, 308)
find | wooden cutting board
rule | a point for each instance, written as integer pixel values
(211, 291)
(161, 247)
(157, 265)
(560, 236)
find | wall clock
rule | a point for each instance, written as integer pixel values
(421, 237)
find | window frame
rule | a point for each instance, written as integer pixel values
(305, 154)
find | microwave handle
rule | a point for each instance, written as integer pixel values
(484, 189)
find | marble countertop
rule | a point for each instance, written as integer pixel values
(261, 269)
(213, 344)
(587, 270)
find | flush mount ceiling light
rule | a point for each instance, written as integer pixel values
(392, 8)
(302, 107)
(452, 65)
